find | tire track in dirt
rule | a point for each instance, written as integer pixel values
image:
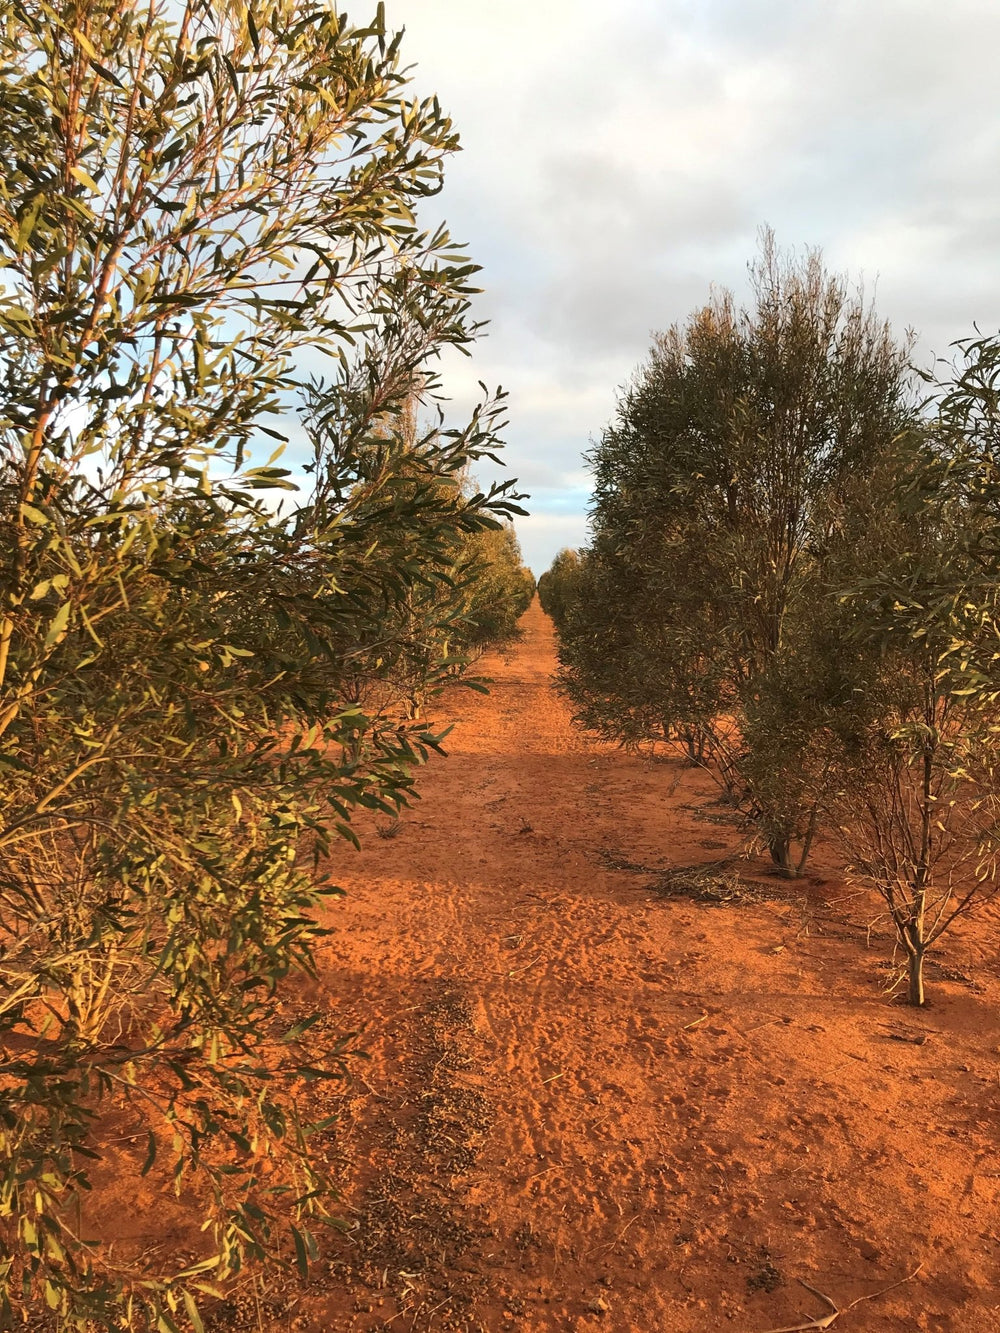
(587, 1106)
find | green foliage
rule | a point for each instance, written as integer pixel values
(557, 588)
(953, 600)
(714, 488)
(820, 614)
(914, 754)
(426, 635)
(500, 590)
(198, 684)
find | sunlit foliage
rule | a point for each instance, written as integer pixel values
(198, 201)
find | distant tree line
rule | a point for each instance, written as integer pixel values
(555, 587)
(503, 589)
(794, 573)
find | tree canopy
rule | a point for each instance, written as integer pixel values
(794, 571)
(208, 244)
(713, 486)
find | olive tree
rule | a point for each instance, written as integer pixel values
(500, 589)
(917, 800)
(725, 449)
(199, 203)
(556, 586)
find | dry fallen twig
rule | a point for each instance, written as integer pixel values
(819, 1322)
(697, 1023)
(827, 1320)
(768, 1022)
(609, 1247)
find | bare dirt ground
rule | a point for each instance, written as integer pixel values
(595, 1101)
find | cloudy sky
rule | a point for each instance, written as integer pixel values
(619, 159)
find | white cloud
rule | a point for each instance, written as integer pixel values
(542, 535)
(619, 159)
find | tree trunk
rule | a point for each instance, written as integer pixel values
(807, 841)
(780, 848)
(911, 932)
(915, 977)
(694, 744)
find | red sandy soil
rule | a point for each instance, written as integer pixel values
(590, 1104)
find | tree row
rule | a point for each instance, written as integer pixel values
(793, 573)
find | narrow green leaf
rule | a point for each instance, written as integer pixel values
(192, 1311)
(58, 626)
(301, 1254)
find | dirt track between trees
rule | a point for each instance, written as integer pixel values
(590, 1104)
